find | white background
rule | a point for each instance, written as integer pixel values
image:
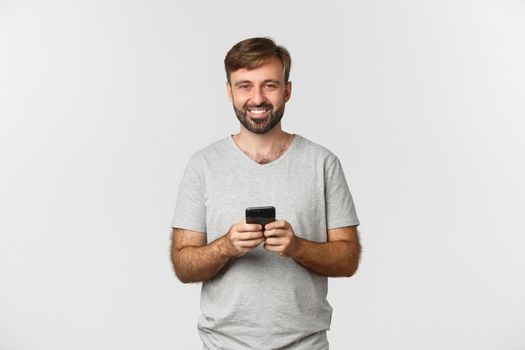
(102, 103)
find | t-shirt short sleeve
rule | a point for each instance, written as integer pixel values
(340, 209)
(190, 210)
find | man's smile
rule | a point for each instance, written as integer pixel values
(258, 112)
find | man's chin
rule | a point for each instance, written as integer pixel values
(258, 128)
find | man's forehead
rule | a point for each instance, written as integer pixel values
(271, 69)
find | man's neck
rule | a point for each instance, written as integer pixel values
(263, 148)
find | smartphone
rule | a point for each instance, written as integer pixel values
(260, 215)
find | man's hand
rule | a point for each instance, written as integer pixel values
(280, 238)
(242, 238)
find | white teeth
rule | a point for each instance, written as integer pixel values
(258, 111)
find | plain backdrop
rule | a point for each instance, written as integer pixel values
(103, 102)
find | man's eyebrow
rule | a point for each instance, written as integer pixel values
(249, 82)
(242, 82)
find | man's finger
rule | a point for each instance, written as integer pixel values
(275, 224)
(250, 227)
(248, 235)
(273, 241)
(271, 247)
(250, 243)
(273, 233)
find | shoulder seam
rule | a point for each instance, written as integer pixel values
(333, 162)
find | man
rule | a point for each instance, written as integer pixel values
(263, 287)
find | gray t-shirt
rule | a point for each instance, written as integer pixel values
(263, 300)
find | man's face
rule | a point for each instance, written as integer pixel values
(259, 95)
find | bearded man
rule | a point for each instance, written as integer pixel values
(263, 286)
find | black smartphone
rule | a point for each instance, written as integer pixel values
(260, 215)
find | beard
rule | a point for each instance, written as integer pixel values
(259, 126)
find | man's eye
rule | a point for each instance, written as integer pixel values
(271, 86)
(243, 86)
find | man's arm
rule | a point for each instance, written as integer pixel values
(193, 260)
(339, 257)
(336, 258)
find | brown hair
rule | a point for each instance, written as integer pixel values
(251, 53)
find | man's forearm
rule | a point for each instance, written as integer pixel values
(198, 264)
(332, 259)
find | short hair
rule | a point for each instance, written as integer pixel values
(251, 53)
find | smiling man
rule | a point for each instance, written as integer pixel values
(263, 287)
(259, 105)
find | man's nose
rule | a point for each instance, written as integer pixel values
(258, 96)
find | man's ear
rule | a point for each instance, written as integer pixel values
(229, 89)
(287, 91)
